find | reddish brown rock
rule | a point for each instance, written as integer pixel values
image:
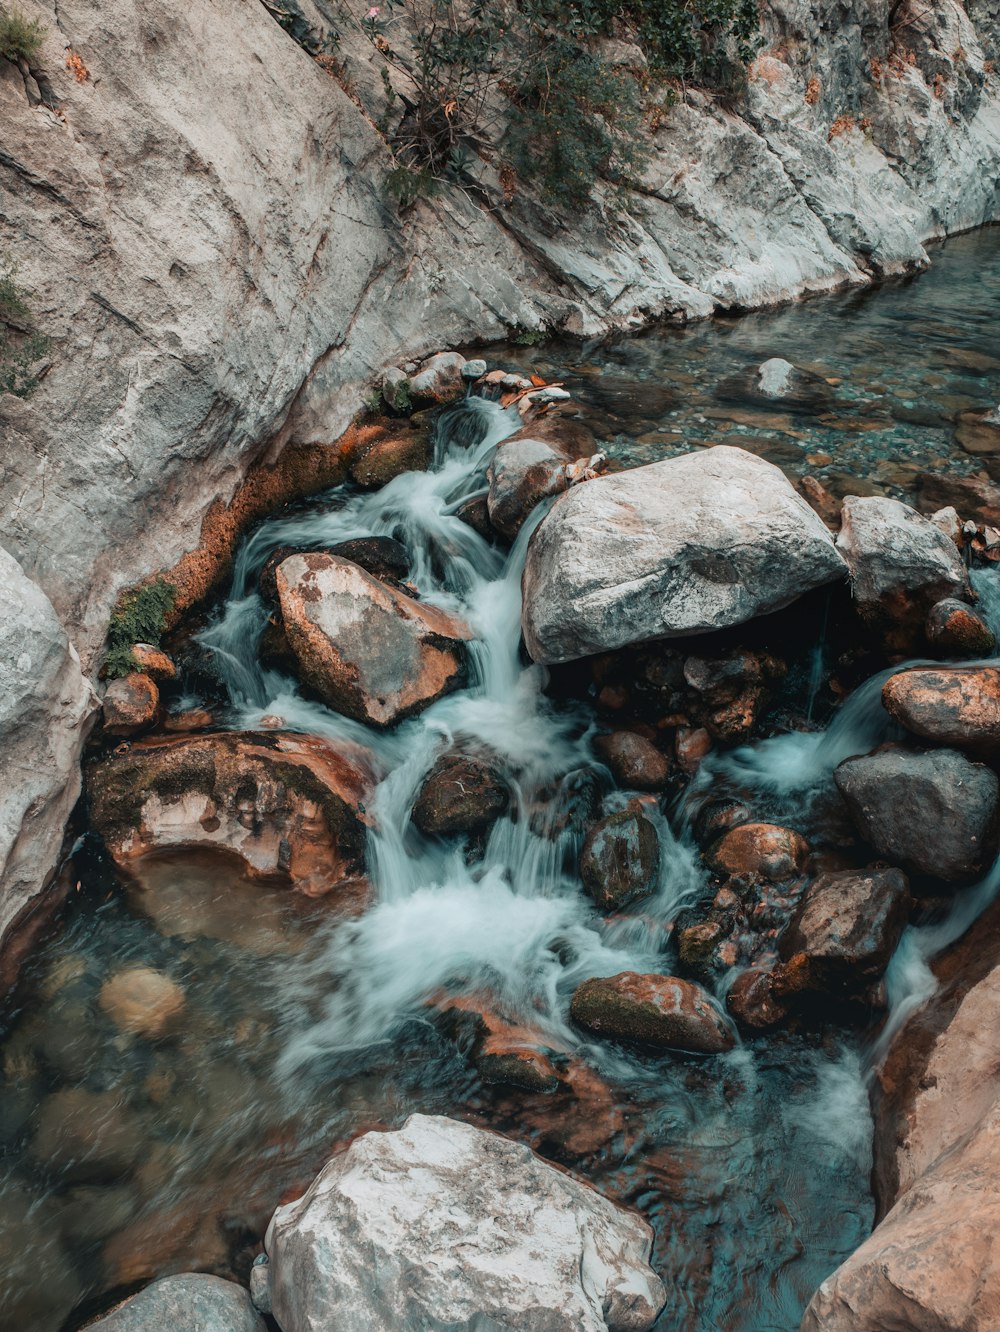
(958, 705)
(972, 497)
(507, 1053)
(662, 1011)
(389, 449)
(956, 630)
(766, 849)
(691, 745)
(752, 1003)
(978, 431)
(620, 860)
(462, 793)
(154, 662)
(368, 650)
(194, 719)
(141, 1001)
(131, 704)
(635, 762)
(290, 807)
(733, 689)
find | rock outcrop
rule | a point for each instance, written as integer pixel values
(439, 1225)
(290, 807)
(933, 813)
(695, 543)
(368, 650)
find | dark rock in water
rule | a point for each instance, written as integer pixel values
(633, 401)
(368, 650)
(505, 1053)
(691, 745)
(476, 513)
(620, 860)
(901, 564)
(843, 933)
(131, 704)
(766, 849)
(185, 1303)
(635, 762)
(86, 1136)
(933, 813)
(973, 498)
(956, 630)
(662, 1011)
(777, 381)
(531, 466)
(752, 1003)
(733, 689)
(697, 943)
(957, 706)
(462, 793)
(718, 816)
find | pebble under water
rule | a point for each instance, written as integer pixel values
(125, 1159)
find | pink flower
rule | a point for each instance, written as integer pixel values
(373, 12)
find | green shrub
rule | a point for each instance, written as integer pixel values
(139, 617)
(21, 38)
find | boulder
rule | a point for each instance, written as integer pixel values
(635, 762)
(956, 630)
(142, 1001)
(131, 704)
(462, 793)
(438, 379)
(154, 662)
(662, 1011)
(381, 556)
(901, 564)
(440, 1226)
(764, 849)
(957, 706)
(620, 860)
(291, 807)
(843, 933)
(46, 709)
(532, 466)
(933, 813)
(777, 381)
(191, 1302)
(695, 543)
(386, 449)
(752, 1002)
(366, 648)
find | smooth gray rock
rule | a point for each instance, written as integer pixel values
(522, 474)
(933, 813)
(901, 563)
(46, 708)
(189, 1303)
(695, 543)
(441, 1226)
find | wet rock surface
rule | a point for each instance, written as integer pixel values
(635, 762)
(956, 706)
(661, 1011)
(536, 1246)
(695, 543)
(463, 793)
(130, 705)
(956, 630)
(620, 860)
(290, 807)
(763, 849)
(186, 1303)
(368, 650)
(933, 813)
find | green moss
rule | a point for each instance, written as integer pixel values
(21, 38)
(139, 617)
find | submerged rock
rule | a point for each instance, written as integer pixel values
(973, 497)
(635, 762)
(957, 706)
(662, 1011)
(934, 813)
(901, 564)
(978, 431)
(290, 807)
(694, 543)
(620, 860)
(440, 1225)
(766, 849)
(505, 1052)
(368, 650)
(192, 1302)
(843, 933)
(142, 1001)
(752, 1003)
(778, 381)
(462, 793)
(131, 704)
(956, 630)
(85, 1136)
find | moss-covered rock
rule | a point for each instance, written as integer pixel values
(662, 1011)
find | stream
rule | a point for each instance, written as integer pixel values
(303, 1029)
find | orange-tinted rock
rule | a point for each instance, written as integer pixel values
(956, 630)
(978, 431)
(368, 650)
(290, 806)
(973, 498)
(194, 719)
(508, 1053)
(131, 704)
(391, 448)
(153, 661)
(142, 1001)
(635, 762)
(752, 1003)
(662, 1011)
(733, 689)
(957, 705)
(691, 745)
(766, 849)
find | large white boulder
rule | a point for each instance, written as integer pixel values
(448, 1228)
(695, 543)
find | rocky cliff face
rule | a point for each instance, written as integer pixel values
(202, 225)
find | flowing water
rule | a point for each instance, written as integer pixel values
(301, 1029)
